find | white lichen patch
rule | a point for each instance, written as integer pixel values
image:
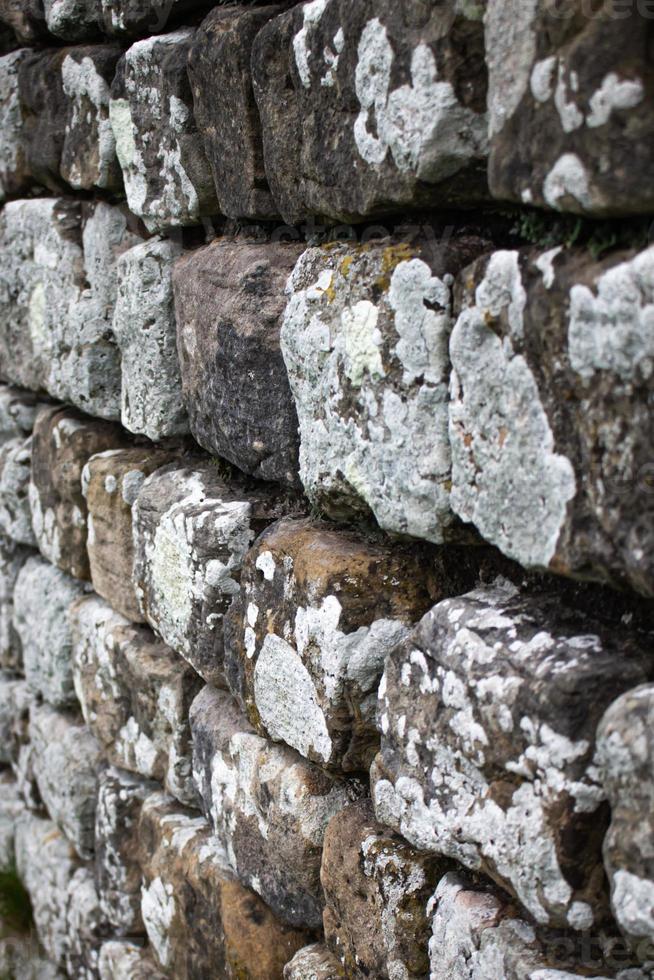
(158, 910)
(312, 13)
(568, 178)
(12, 140)
(423, 126)
(510, 52)
(88, 95)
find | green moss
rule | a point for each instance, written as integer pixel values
(15, 905)
(599, 237)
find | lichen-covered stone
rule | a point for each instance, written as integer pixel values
(11, 808)
(122, 959)
(12, 559)
(117, 872)
(65, 760)
(192, 531)
(63, 442)
(89, 150)
(371, 106)
(85, 924)
(488, 715)
(20, 957)
(72, 20)
(110, 483)
(141, 18)
(135, 695)
(145, 331)
(551, 410)
(378, 891)
(306, 637)
(364, 339)
(26, 19)
(226, 111)
(42, 598)
(200, 922)
(44, 106)
(14, 172)
(167, 177)
(625, 749)
(15, 701)
(268, 807)
(569, 88)
(314, 962)
(15, 513)
(229, 301)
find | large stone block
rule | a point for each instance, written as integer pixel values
(488, 713)
(135, 695)
(314, 962)
(551, 411)
(15, 513)
(88, 157)
(64, 440)
(378, 891)
(167, 177)
(117, 871)
(14, 171)
(44, 106)
(122, 959)
(268, 807)
(364, 339)
(306, 637)
(226, 110)
(372, 106)
(192, 531)
(146, 334)
(12, 559)
(570, 85)
(625, 748)
(110, 483)
(229, 301)
(200, 921)
(42, 598)
(65, 759)
(72, 20)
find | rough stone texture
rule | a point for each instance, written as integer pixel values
(85, 926)
(14, 172)
(167, 177)
(364, 339)
(135, 695)
(625, 749)
(141, 18)
(117, 873)
(488, 713)
(226, 110)
(314, 962)
(377, 891)
(25, 18)
(126, 960)
(371, 106)
(11, 808)
(192, 531)
(20, 958)
(15, 513)
(307, 635)
(229, 301)
(63, 442)
(65, 760)
(269, 807)
(110, 484)
(200, 921)
(89, 151)
(44, 106)
(146, 334)
(571, 99)
(42, 598)
(12, 559)
(551, 411)
(71, 20)
(15, 701)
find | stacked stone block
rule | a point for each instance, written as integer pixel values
(326, 550)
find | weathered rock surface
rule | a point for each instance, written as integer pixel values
(17, 413)
(167, 177)
(20, 958)
(372, 106)
(141, 18)
(71, 20)
(117, 872)
(200, 921)
(86, 926)
(488, 713)
(11, 808)
(135, 695)
(229, 301)
(25, 18)
(569, 89)
(65, 760)
(268, 806)
(192, 531)
(14, 172)
(63, 442)
(146, 334)
(122, 959)
(625, 749)
(307, 635)
(89, 150)
(314, 962)
(42, 598)
(8, 684)
(15, 702)
(12, 559)
(15, 513)
(377, 889)
(364, 339)
(226, 111)
(551, 411)
(44, 106)
(110, 483)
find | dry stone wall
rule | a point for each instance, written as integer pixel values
(326, 490)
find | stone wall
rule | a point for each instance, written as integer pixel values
(327, 489)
